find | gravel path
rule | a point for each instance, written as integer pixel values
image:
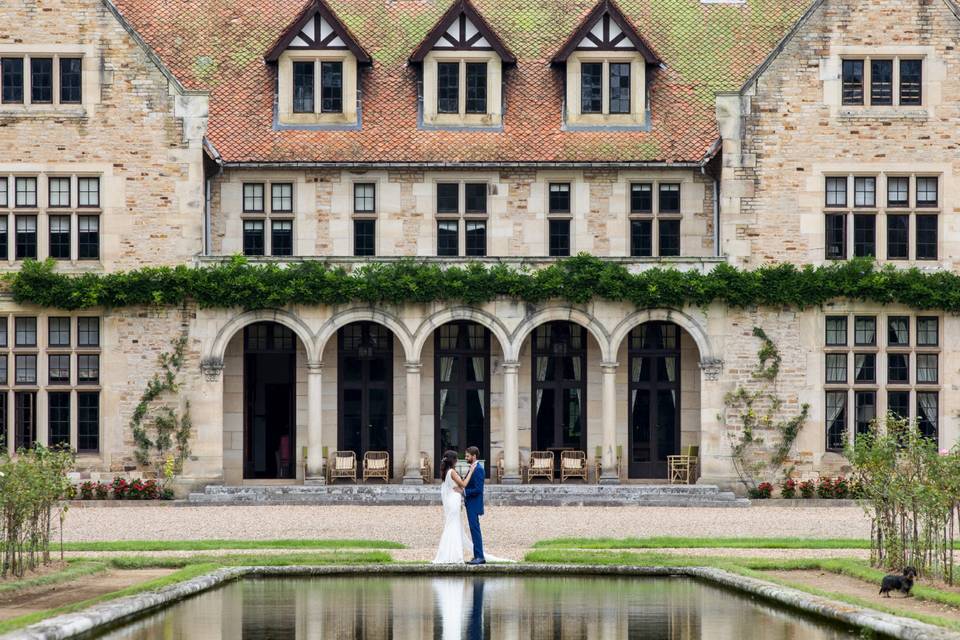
(508, 531)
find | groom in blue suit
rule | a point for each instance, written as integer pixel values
(473, 501)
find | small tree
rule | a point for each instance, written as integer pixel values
(909, 489)
(161, 430)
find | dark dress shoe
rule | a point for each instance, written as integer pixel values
(477, 561)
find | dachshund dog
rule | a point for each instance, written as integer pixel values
(902, 583)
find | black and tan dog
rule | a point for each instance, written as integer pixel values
(902, 583)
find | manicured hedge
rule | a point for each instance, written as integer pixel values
(580, 279)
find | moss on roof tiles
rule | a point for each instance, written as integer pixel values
(219, 45)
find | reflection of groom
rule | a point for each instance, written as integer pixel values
(473, 501)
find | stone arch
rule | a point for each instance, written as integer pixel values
(342, 319)
(433, 322)
(679, 318)
(566, 314)
(285, 318)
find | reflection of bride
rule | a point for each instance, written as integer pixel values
(450, 595)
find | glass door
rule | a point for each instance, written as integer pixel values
(559, 387)
(654, 396)
(462, 389)
(365, 384)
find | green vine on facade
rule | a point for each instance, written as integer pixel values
(162, 437)
(238, 283)
(756, 410)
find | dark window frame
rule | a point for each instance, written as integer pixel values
(71, 92)
(304, 86)
(364, 230)
(853, 78)
(41, 80)
(881, 82)
(250, 235)
(591, 94)
(559, 237)
(624, 103)
(475, 83)
(12, 80)
(448, 88)
(331, 86)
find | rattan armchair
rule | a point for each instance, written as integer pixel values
(342, 465)
(683, 468)
(573, 464)
(541, 465)
(376, 464)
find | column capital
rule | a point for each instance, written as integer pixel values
(609, 367)
(511, 366)
(211, 368)
(314, 367)
(413, 366)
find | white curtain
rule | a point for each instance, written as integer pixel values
(577, 364)
(926, 368)
(928, 406)
(478, 369)
(483, 404)
(542, 363)
(867, 330)
(475, 336)
(859, 362)
(637, 368)
(899, 330)
(671, 366)
(835, 408)
(446, 369)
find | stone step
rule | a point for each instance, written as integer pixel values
(495, 495)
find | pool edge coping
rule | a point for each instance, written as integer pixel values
(114, 612)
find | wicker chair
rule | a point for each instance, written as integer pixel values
(541, 465)
(376, 464)
(598, 462)
(342, 465)
(683, 468)
(573, 464)
(426, 470)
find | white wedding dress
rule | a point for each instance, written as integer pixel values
(453, 540)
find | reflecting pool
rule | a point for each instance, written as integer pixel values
(457, 608)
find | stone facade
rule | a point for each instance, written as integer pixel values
(162, 192)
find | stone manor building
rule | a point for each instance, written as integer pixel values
(672, 134)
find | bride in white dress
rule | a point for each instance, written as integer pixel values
(453, 540)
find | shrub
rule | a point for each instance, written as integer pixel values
(910, 490)
(120, 488)
(788, 489)
(102, 490)
(825, 488)
(86, 490)
(807, 489)
(31, 487)
(841, 488)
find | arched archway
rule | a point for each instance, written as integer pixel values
(431, 323)
(293, 322)
(687, 323)
(342, 319)
(566, 314)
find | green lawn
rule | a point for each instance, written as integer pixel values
(74, 569)
(213, 545)
(666, 542)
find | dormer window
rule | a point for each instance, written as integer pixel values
(606, 64)
(462, 65)
(317, 65)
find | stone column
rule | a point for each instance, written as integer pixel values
(314, 423)
(412, 463)
(609, 444)
(511, 430)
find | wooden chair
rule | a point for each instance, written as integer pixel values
(376, 464)
(426, 471)
(683, 468)
(343, 464)
(598, 461)
(541, 465)
(573, 464)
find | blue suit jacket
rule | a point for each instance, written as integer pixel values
(473, 492)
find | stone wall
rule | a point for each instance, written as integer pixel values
(134, 129)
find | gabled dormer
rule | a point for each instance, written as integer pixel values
(462, 61)
(606, 63)
(317, 62)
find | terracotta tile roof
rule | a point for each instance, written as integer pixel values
(219, 46)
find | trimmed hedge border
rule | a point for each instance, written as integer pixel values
(577, 280)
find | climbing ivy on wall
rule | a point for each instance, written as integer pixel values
(756, 410)
(162, 432)
(580, 279)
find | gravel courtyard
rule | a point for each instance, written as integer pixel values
(507, 531)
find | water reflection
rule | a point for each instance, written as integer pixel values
(458, 608)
